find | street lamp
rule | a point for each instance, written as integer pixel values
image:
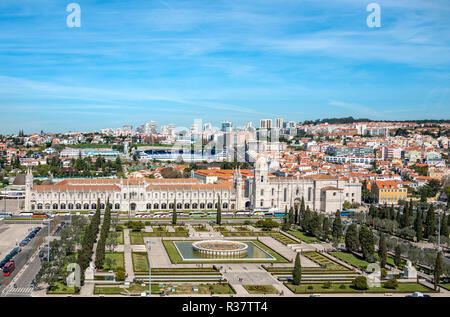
(149, 246)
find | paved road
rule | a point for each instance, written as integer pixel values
(22, 258)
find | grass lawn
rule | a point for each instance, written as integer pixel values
(118, 257)
(351, 259)
(390, 261)
(261, 289)
(175, 257)
(221, 229)
(179, 289)
(200, 228)
(445, 285)
(283, 238)
(336, 288)
(140, 261)
(304, 236)
(61, 288)
(137, 237)
(324, 261)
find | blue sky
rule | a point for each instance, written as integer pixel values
(175, 61)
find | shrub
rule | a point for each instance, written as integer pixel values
(360, 283)
(327, 284)
(383, 273)
(120, 275)
(310, 287)
(342, 286)
(391, 283)
(147, 223)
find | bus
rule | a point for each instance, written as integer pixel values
(161, 214)
(62, 213)
(243, 214)
(213, 213)
(143, 215)
(8, 268)
(26, 213)
(197, 214)
(39, 215)
(6, 214)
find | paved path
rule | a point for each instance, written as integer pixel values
(127, 249)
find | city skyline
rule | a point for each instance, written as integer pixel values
(174, 61)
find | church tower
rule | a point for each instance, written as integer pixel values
(28, 187)
(238, 183)
(260, 180)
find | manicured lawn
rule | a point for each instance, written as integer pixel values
(283, 238)
(137, 237)
(336, 288)
(390, 261)
(324, 261)
(261, 289)
(221, 229)
(179, 289)
(445, 285)
(175, 257)
(242, 228)
(304, 236)
(118, 257)
(351, 259)
(180, 229)
(61, 288)
(140, 261)
(200, 228)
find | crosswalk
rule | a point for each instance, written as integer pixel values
(19, 291)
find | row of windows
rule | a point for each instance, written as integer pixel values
(131, 195)
(117, 206)
(297, 192)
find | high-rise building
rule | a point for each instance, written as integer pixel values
(151, 127)
(227, 126)
(265, 123)
(278, 123)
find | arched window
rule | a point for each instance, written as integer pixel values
(78, 206)
(149, 206)
(94, 206)
(171, 205)
(155, 206)
(179, 206)
(262, 192)
(133, 206)
(202, 205)
(32, 207)
(63, 206)
(163, 206)
(86, 206)
(262, 202)
(117, 206)
(232, 206)
(210, 205)
(55, 206)
(215, 206)
(70, 206)
(102, 206)
(39, 206)
(194, 206)
(47, 206)
(225, 205)
(186, 206)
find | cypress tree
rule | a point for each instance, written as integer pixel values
(285, 220)
(326, 228)
(418, 226)
(398, 256)
(351, 238)
(174, 212)
(291, 216)
(430, 220)
(367, 241)
(219, 212)
(296, 215)
(337, 227)
(444, 226)
(297, 272)
(302, 207)
(382, 250)
(437, 269)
